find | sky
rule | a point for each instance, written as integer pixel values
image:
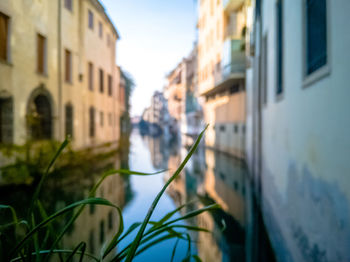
(155, 36)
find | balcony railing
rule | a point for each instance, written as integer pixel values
(234, 68)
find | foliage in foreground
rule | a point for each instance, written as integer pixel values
(35, 237)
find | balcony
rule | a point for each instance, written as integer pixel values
(231, 69)
(232, 5)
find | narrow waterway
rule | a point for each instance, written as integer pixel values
(236, 229)
(209, 177)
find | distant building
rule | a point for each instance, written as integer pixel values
(221, 73)
(298, 126)
(157, 116)
(57, 73)
(192, 115)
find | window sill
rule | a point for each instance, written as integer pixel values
(316, 76)
(5, 62)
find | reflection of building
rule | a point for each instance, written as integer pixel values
(298, 126)
(57, 72)
(98, 224)
(221, 73)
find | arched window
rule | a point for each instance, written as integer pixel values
(40, 118)
(92, 121)
(69, 120)
(6, 120)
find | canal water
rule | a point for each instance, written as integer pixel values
(209, 177)
(236, 231)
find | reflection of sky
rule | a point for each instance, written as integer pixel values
(146, 188)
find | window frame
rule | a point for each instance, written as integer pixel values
(69, 125)
(44, 72)
(7, 60)
(101, 80)
(100, 30)
(91, 76)
(110, 85)
(90, 23)
(70, 80)
(325, 70)
(279, 96)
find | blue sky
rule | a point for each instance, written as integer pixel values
(155, 36)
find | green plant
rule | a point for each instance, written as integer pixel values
(25, 239)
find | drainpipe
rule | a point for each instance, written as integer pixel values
(59, 53)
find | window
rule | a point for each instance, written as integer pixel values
(68, 66)
(69, 120)
(6, 120)
(91, 19)
(110, 119)
(279, 46)
(4, 31)
(41, 54)
(235, 128)
(100, 29)
(101, 118)
(110, 82)
(101, 80)
(91, 76)
(92, 122)
(222, 128)
(108, 40)
(316, 35)
(68, 4)
(264, 66)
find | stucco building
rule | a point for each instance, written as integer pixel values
(58, 74)
(221, 72)
(298, 125)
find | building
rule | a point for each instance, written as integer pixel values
(221, 72)
(57, 72)
(157, 116)
(192, 114)
(297, 126)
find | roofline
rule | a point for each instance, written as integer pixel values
(102, 9)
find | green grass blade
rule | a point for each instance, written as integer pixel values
(92, 193)
(13, 212)
(112, 244)
(130, 229)
(59, 251)
(174, 250)
(170, 214)
(81, 247)
(38, 188)
(119, 171)
(95, 201)
(139, 235)
(197, 258)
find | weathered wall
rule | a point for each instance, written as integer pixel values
(305, 144)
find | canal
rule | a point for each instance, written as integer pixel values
(236, 230)
(209, 177)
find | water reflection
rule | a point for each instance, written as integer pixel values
(96, 224)
(212, 177)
